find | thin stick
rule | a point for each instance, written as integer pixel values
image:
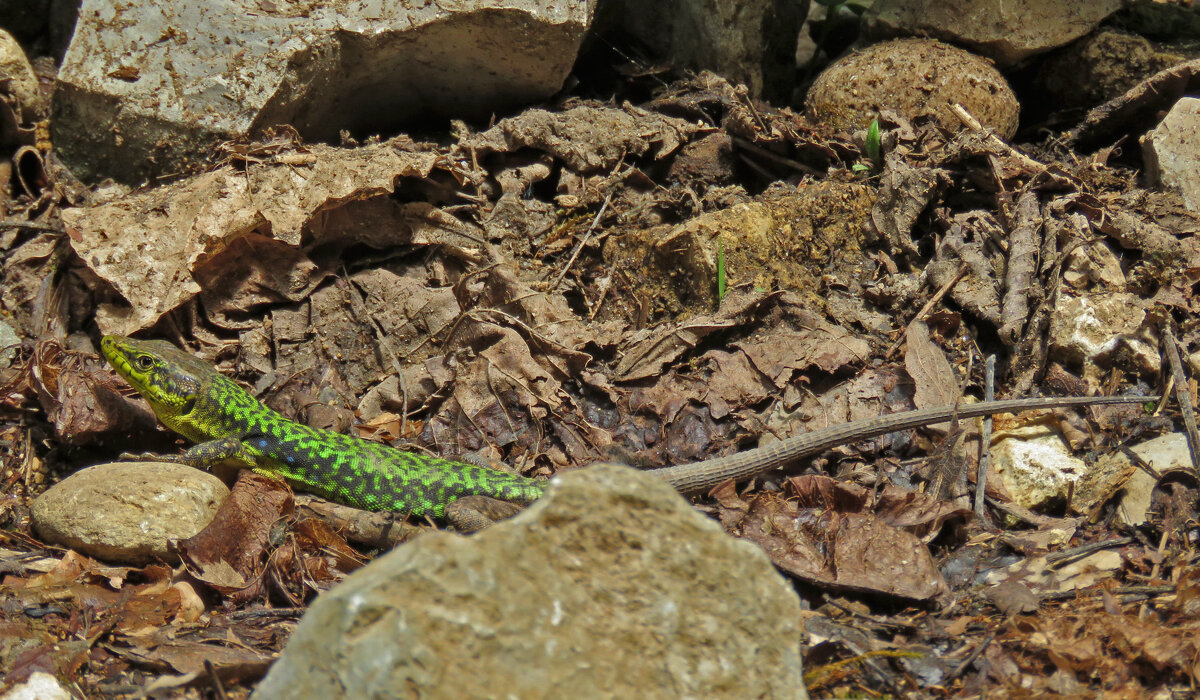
(1151, 591)
(985, 440)
(587, 237)
(962, 272)
(771, 155)
(972, 123)
(958, 670)
(1181, 393)
(1084, 549)
(32, 226)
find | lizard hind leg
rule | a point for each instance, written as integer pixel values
(474, 513)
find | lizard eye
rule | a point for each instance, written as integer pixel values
(144, 362)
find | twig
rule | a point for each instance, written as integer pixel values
(290, 613)
(1122, 590)
(587, 237)
(32, 226)
(937, 297)
(381, 530)
(1154, 570)
(1085, 549)
(979, 649)
(989, 394)
(217, 687)
(743, 93)
(1026, 515)
(1022, 257)
(771, 155)
(972, 123)
(1136, 460)
(766, 175)
(881, 621)
(1181, 394)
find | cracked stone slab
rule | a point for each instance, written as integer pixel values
(146, 86)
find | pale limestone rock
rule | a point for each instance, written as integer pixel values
(1172, 151)
(128, 512)
(148, 85)
(611, 586)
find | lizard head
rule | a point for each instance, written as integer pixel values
(168, 378)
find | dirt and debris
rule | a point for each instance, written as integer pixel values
(650, 283)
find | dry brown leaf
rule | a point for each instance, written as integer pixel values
(828, 535)
(820, 345)
(251, 272)
(646, 353)
(935, 382)
(150, 245)
(588, 138)
(227, 554)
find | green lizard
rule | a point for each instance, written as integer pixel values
(228, 424)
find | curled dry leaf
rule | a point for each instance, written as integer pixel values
(647, 353)
(831, 534)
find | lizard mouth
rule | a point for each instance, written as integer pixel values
(112, 352)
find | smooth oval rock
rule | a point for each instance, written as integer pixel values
(914, 77)
(128, 512)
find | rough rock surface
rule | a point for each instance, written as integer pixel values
(611, 586)
(1092, 330)
(1006, 31)
(20, 84)
(1036, 467)
(128, 512)
(914, 77)
(1172, 151)
(1163, 453)
(39, 686)
(145, 85)
(750, 41)
(8, 338)
(1101, 67)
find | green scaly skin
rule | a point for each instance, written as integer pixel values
(229, 425)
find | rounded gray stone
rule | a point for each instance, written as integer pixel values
(128, 512)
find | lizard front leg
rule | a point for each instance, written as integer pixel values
(202, 455)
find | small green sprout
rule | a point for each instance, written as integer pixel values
(874, 147)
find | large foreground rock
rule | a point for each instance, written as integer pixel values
(148, 84)
(611, 586)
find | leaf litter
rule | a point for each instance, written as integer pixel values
(544, 292)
